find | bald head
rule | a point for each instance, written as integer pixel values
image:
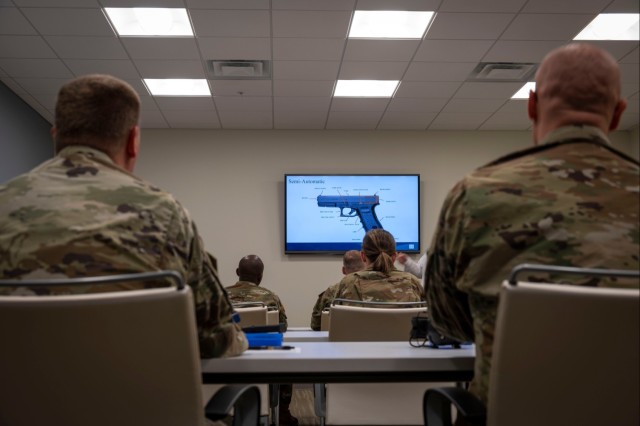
(576, 84)
(250, 269)
(352, 262)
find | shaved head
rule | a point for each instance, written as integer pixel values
(576, 84)
(250, 269)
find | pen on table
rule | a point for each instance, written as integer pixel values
(272, 348)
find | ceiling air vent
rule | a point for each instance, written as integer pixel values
(239, 69)
(502, 71)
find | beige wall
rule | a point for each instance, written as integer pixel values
(232, 183)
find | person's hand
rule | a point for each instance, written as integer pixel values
(402, 258)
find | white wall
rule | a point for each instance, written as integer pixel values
(232, 183)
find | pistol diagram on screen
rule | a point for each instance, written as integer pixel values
(362, 206)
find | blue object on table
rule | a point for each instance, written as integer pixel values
(264, 339)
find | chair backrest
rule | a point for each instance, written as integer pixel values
(565, 354)
(273, 317)
(387, 321)
(117, 358)
(251, 315)
(324, 320)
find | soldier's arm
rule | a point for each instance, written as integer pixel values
(316, 314)
(448, 306)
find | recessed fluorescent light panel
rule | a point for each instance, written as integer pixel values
(389, 24)
(366, 88)
(611, 26)
(177, 87)
(523, 93)
(149, 21)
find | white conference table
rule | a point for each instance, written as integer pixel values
(343, 362)
(305, 336)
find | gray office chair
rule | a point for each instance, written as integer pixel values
(371, 403)
(562, 355)
(125, 358)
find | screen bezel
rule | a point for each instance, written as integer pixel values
(336, 252)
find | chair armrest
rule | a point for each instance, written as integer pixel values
(437, 407)
(244, 399)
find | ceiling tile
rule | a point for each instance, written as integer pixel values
(630, 74)
(414, 89)
(68, 21)
(623, 6)
(618, 49)
(459, 121)
(243, 103)
(439, 71)
(231, 23)
(235, 48)
(487, 90)
(301, 49)
(418, 105)
(320, 24)
(147, 102)
(469, 26)
(313, 4)
(152, 120)
(246, 119)
(15, 87)
(396, 120)
(120, 68)
(631, 58)
(15, 46)
(13, 22)
(57, 3)
(359, 104)
(303, 88)
(41, 86)
(302, 103)
(68, 47)
(35, 68)
(418, 5)
(452, 50)
(241, 87)
(184, 119)
(512, 116)
(161, 48)
(556, 26)
(47, 100)
(305, 70)
(481, 6)
(357, 120)
(300, 119)
(565, 6)
(473, 105)
(228, 4)
(191, 103)
(380, 50)
(520, 51)
(372, 70)
(170, 69)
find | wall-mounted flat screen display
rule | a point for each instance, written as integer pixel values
(331, 213)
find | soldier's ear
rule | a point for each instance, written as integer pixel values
(532, 105)
(133, 142)
(617, 113)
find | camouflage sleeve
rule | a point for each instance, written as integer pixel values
(218, 335)
(282, 314)
(448, 306)
(316, 313)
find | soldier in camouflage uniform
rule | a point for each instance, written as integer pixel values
(247, 289)
(83, 213)
(572, 200)
(351, 262)
(380, 281)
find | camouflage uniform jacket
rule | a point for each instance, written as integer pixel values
(79, 214)
(324, 301)
(572, 201)
(245, 291)
(374, 286)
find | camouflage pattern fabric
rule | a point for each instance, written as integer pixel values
(245, 291)
(324, 301)
(80, 215)
(572, 201)
(374, 286)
